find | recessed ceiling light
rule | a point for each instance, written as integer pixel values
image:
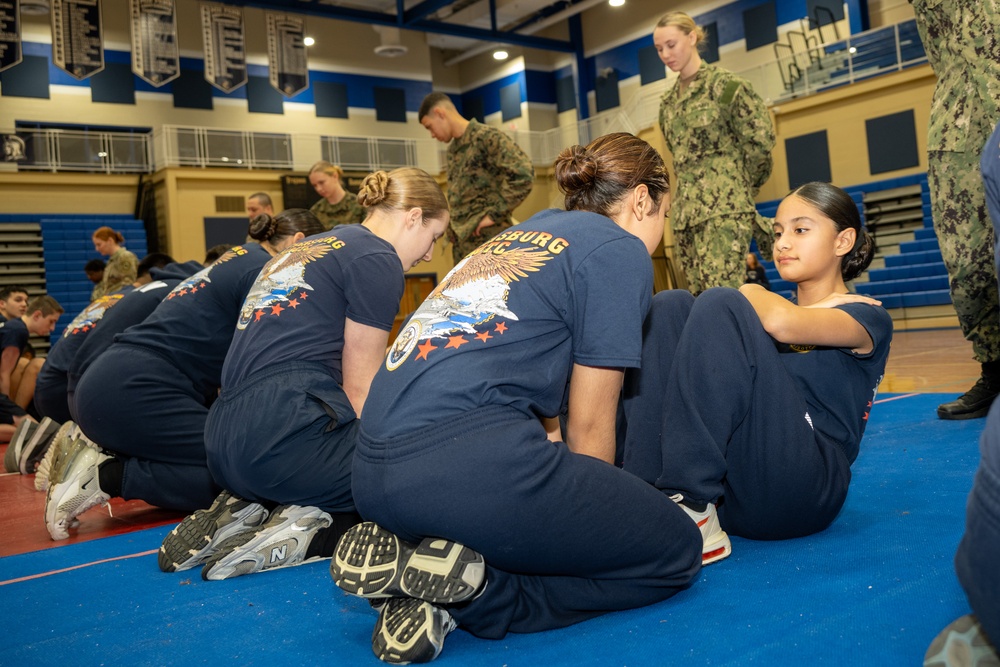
(308, 41)
(616, 3)
(500, 54)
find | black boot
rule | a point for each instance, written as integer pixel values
(976, 402)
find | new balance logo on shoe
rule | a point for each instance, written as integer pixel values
(278, 553)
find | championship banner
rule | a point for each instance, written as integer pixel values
(10, 33)
(225, 49)
(286, 53)
(77, 37)
(156, 58)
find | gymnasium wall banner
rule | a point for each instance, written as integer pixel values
(10, 33)
(156, 57)
(286, 53)
(222, 34)
(77, 37)
(14, 148)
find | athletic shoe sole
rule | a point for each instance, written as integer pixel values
(372, 562)
(34, 449)
(75, 491)
(64, 437)
(281, 542)
(12, 457)
(962, 644)
(410, 630)
(193, 541)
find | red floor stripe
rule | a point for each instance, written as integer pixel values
(76, 567)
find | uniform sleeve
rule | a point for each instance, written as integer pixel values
(373, 287)
(610, 303)
(515, 171)
(876, 321)
(750, 123)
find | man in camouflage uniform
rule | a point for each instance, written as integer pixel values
(488, 174)
(720, 134)
(962, 40)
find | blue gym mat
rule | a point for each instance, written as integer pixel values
(874, 589)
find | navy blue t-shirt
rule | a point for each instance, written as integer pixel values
(62, 353)
(132, 309)
(193, 326)
(296, 309)
(839, 386)
(13, 333)
(507, 324)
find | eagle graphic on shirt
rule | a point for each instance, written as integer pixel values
(471, 295)
(192, 284)
(283, 277)
(91, 315)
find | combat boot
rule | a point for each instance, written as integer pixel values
(976, 402)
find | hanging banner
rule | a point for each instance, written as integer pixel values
(77, 37)
(156, 58)
(225, 49)
(286, 53)
(10, 33)
(14, 148)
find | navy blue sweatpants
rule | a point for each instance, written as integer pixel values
(566, 537)
(140, 406)
(285, 436)
(714, 414)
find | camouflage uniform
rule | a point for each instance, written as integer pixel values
(346, 212)
(963, 47)
(721, 137)
(120, 271)
(488, 174)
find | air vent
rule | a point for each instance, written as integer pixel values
(229, 204)
(392, 44)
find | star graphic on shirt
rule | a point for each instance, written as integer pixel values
(294, 303)
(276, 309)
(501, 327)
(259, 314)
(303, 295)
(425, 349)
(455, 342)
(484, 336)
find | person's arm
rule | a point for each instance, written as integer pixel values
(364, 350)
(8, 361)
(817, 324)
(552, 428)
(750, 123)
(515, 176)
(121, 270)
(593, 408)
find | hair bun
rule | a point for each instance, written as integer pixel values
(262, 227)
(373, 189)
(576, 169)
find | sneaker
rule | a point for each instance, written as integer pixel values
(74, 489)
(371, 562)
(281, 542)
(715, 541)
(62, 440)
(193, 541)
(410, 630)
(12, 457)
(974, 403)
(34, 449)
(962, 644)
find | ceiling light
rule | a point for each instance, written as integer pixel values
(500, 54)
(308, 41)
(616, 3)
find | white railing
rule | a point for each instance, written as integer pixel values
(804, 72)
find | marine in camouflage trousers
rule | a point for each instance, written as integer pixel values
(714, 253)
(965, 234)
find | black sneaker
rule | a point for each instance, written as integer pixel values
(371, 562)
(36, 447)
(195, 539)
(409, 630)
(974, 403)
(12, 457)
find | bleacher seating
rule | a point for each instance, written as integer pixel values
(910, 273)
(67, 247)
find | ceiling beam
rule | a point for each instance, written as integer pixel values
(424, 9)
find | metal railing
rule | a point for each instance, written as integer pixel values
(845, 61)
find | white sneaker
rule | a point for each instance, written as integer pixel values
(715, 541)
(64, 437)
(75, 489)
(410, 630)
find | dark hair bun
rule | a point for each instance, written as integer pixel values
(576, 169)
(373, 189)
(263, 227)
(856, 261)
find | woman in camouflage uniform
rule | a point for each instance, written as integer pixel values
(122, 266)
(721, 136)
(337, 206)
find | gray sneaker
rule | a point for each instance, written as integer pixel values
(34, 449)
(12, 457)
(195, 538)
(962, 644)
(62, 440)
(280, 542)
(371, 562)
(410, 630)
